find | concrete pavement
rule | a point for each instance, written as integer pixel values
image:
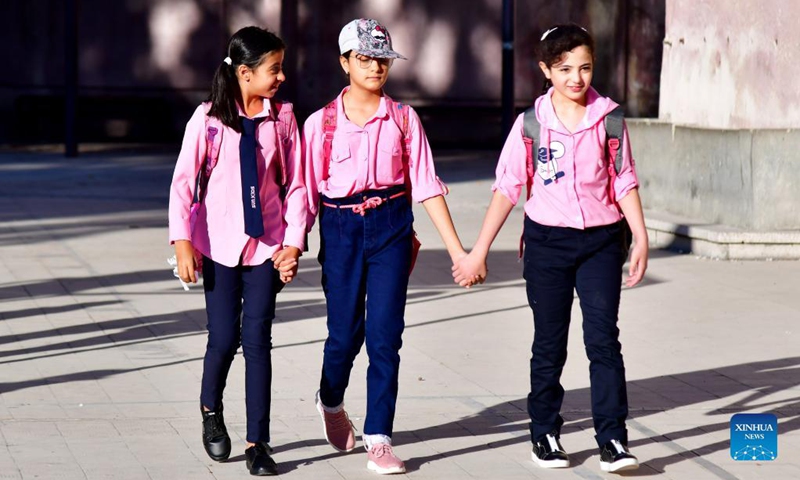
(100, 348)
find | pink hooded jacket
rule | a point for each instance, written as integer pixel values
(571, 189)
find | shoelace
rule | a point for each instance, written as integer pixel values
(381, 449)
(339, 420)
(618, 446)
(552, 441)
(373, 202)
(215, 424)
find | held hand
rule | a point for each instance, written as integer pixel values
(638, 264)
(470, 270)
(187, 262)
(471, 280)
(285, 261)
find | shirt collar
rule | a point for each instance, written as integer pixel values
(266, 112)
(381, 113)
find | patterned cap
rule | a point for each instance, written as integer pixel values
(367, 37)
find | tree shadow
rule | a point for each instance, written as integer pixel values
(55, 287)
(657, 395)
(30, 312)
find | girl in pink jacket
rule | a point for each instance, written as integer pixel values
(367, 158)
(575, 239)
(237, 210)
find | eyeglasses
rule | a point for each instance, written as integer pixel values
(365, 61)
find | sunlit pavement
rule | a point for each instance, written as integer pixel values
(101, 349)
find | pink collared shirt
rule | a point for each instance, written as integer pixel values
(218, 231)
(571, 189)
(368, 158)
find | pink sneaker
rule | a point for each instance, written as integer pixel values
(338, 428)
(382, 460)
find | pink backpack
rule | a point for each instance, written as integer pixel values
(399, 113)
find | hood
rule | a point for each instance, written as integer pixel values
(597, 107)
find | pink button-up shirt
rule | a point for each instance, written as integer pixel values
(571, 189)
(218, 231)
(368, 158)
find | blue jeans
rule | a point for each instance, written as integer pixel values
(365, 268)
(559, 261)
(240, 304)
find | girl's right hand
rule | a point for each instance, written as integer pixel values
(187, 261)
(470, 270)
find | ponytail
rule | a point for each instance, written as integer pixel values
(249, 46)
(224, 95)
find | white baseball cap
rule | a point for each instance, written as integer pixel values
(367, 37)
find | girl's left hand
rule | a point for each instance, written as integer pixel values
(638, 265)
(285, 261)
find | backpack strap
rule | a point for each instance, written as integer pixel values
(328, 129)
(213, 133)
(615, 131)
(284, 118)
(399, 113)
(531, 129)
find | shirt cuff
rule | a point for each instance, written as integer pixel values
(628, 183)
(294, 237)
(179, 231)
(420, 193)
(512, 195)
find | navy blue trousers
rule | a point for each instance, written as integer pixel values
(365, 268)
(559, 261)
(240, 304)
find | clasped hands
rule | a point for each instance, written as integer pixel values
(469, 269)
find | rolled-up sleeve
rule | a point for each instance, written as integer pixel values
(295, 205)
(511, 169)
(424, 182)
(626, 178)
(181, 193)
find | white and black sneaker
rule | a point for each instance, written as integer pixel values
(615, 457)
(548, 452)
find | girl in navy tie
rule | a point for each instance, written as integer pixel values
(238, 211)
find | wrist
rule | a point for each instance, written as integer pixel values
(480, 250)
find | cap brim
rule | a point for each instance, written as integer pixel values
(380, 53)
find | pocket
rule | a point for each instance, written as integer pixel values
(536, 233)
(340, 151)
(390, 164)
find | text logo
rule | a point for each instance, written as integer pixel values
(754, 437)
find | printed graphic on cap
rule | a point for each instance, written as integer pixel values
(374, 40)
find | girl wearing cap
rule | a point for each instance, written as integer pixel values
(580, 198)
(367, 158)
(238, 202)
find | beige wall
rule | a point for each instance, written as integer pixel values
(731, 64)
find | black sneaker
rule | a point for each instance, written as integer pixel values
(215, 436)
(615, 457)
(548, 452)
(259, 462)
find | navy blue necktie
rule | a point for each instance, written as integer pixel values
(251, 200)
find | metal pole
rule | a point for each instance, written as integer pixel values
(70, 78)
(507, 96)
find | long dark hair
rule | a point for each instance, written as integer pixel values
(249, 46)
(559, 40)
